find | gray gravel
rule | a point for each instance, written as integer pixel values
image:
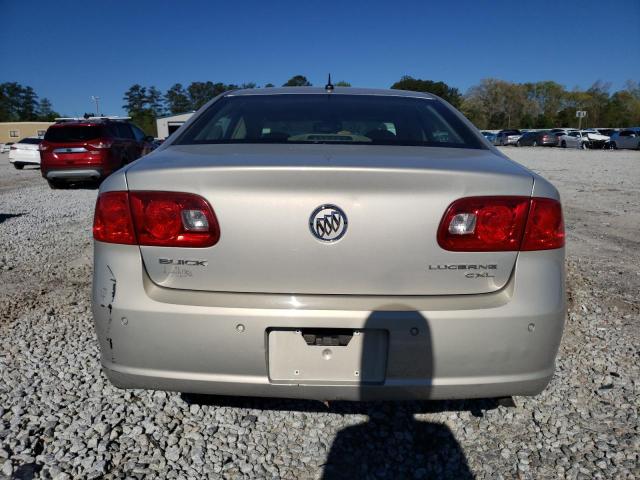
(60, 418)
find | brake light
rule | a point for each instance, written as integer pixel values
(502, 223)
(43, 147)
(101, 144)
(165, 219)
(545, 225)
(112, 219)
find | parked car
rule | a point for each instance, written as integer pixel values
(508, 137)
(626, 138)
(596, 139)
(25, 152)
(6, 147)
(540, 138)
(573, 139)
(607, 131)
(368, 247)
(91, 149)
(490, 136)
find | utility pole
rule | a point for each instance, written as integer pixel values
(96, 99)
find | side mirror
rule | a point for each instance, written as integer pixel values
(149, 138)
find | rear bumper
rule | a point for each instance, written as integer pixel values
(468, 346)
(73, 174)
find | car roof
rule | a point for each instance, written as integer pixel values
(335, 91)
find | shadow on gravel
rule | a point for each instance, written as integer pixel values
(7, 216)
(392, 443)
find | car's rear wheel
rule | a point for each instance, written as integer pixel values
(18, 165)
(518, 144)
(585, 145)
(563, 144)
(613, 146)
(534, 144)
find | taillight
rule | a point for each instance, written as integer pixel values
(504, 223)
(165, 219)
(101, 144)
(112, 219)
(545, 225)
(43, 146)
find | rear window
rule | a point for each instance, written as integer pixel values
(72, 133)
(330, 118)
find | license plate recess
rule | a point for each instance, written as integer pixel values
(327, 356)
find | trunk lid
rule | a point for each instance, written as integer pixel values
(393, 198)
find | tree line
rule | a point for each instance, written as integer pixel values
(495, 104)
(491, 104)
(20, 103)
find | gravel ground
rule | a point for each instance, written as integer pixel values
(60, 418)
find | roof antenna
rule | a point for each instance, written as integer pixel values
(329, 86)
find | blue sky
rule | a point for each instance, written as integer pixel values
(70, 50)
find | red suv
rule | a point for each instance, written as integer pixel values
(89, 150)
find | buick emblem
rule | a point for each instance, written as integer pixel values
(328, 223)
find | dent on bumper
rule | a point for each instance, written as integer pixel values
(472, 346)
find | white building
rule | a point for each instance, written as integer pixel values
(170, 123)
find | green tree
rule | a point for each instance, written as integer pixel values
(135, 98)
(177, 100)
(269, 85)
(297, 81)
(9, 101)
(27, 104)
(155, 101)
(137, 106)
(201, 92)
(441, 89)
(46, 112)
(342, 83)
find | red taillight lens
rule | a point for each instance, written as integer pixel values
(545, 225)
(112, 220)
(499, 224)
(164, 219)
(171, 219)
(44, 146)
(494, 224)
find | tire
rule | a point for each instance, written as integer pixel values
(613, 146)
(534, 144)
(518, 144)
(18, 165)
(563, 144)
(55, 184)
(585, 146)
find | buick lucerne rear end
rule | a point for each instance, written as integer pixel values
(329, 244)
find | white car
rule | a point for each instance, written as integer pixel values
(573, 139)
(25, 152)
(595, 138)
(5, 147)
